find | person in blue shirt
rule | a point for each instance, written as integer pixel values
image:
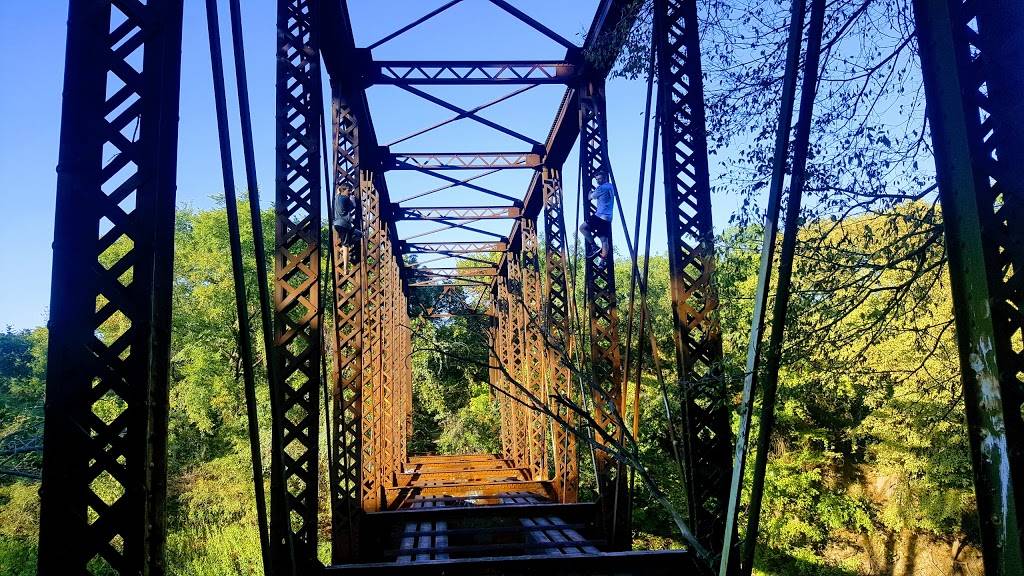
(600, 224)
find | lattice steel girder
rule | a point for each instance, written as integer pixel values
(461, 160)
(970, 61)
(605, 355)
(409, 72)
(517, 362)
(104, 464)
(500, 379)
(297, 332)
(452, 272)
(373, 262)
(453, 247)
(386, 432)
(707, 442)
(534, 358)
(455, 213)
(444, 281)
(347, 414)
(557, 306)
(444, 315)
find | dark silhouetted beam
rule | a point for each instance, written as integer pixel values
(408, 72)
(453, 247)
(462, 160)
(453, 272)
(455, 213)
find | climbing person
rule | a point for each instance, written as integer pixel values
(600, 223)
(346, 213)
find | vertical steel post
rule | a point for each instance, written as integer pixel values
(533, 373)
(346, 501)
(605, 353)
(385, 430)
(557, 299)
(501, 338)
(371, 357)
(104, 463)
(516, 357)
(970, 61)
(297, 287)
(707, 438)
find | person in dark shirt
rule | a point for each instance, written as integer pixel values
(346, 218)
(600, 224)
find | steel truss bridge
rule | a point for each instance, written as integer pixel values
(517, 511)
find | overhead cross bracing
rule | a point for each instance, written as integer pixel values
(559, 375)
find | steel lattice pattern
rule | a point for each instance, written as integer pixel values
(297, 270)
(517, 362)
(558, 327)
(372, 352)
(707, 435)
(533, 376)
(388, 432)
(106, 427)
(347, 383)
(994, 150)
(605, 356)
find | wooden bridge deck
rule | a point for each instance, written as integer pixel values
(479, 514)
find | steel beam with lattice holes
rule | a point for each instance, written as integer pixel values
(534, 357)
(468, 72)
(557, 324)
(605, 355)
(455, 212)
(387, 431)
(373, 261)
(502, 337)
(453, 247)
(426, 161)
(104, 464)
(297, 343)
(481, 271)
(517, 360)
(346, 504)
(970, 60)
(707, 443)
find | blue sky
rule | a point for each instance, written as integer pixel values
(475, 29)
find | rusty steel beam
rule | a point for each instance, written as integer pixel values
(461, 160)
(297, 346)
(389, 401)
(707, 434)
(427, 72)
(374, 231)
(442, 282)
(534, 357)
(104, 464)
(452, 272)
(399, 212)
(503, 363)
(453, 247)
(557, 310)
(606, 377)
(517, 362)
(442, 316)
(347, 390)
